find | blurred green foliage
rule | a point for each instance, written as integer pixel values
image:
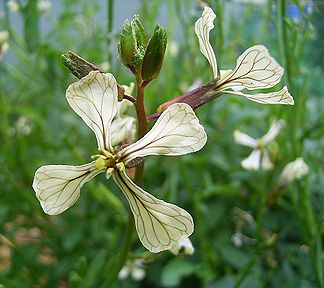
(239, 240)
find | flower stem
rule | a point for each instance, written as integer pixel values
(142, 125)
(110, 20)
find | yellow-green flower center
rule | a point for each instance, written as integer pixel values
(108, 161)
(260, 144)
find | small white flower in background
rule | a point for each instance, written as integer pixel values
(4, 36)
(160, 225)
(4, 46)
(184, 244)
(104, 66)
(255, 68)
(44, 6)
(133, 268)
(23, 126)
(13, 6)
(259, 158)
(237, 239)
(173, 49)
(294, 170)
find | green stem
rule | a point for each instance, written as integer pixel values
(142, 125)
(312, 236)
(117, 263)
(306, 214)
(245, 272)
(110, 20)
(259, 221)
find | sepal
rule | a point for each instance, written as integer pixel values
(154, 54)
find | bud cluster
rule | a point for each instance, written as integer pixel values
(143, 56)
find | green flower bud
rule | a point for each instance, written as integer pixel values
(141, 36)
(78, 66)
(154, 54)
(127, 45)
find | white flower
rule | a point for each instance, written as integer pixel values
(13, 6)
(160, 225)
(255, 68)
(259, 156)
(4, 35)
(293, 171)
(4, 46)
(135, 269)
(44, 6)
(23, 126)
(184, 244)
(104, 66)
(173, 49)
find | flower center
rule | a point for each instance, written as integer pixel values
(260, 144)
(108, 161)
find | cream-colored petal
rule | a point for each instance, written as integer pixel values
(176, 132)
(123, 130)
(94, 99)
(202, 28)
(252, 162)
(58, 187)
(274, 130)
(255, 69)
(266, 163)
(279, 97)
(160, 225)
(244, 139)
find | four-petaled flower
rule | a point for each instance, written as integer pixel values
(160, 225)
(255, 68)
(259, 156)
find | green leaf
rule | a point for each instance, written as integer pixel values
(174, 271)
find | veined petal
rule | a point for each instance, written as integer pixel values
(94, 99)
(252, 162)
(160, 225)
(123, 129)
(176, 132)
(266, 163)
(58, 187)
(225, 73)
(202, 28)
(244, 139)
(255, 69)
(274, 130)
(280, 97)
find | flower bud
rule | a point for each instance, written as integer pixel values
(154, 54)
(140, 33)
(127, 45)
(78, 66)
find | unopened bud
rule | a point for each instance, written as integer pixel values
(78, 66)
(154, 54)
(127, 44)
(140, 33)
